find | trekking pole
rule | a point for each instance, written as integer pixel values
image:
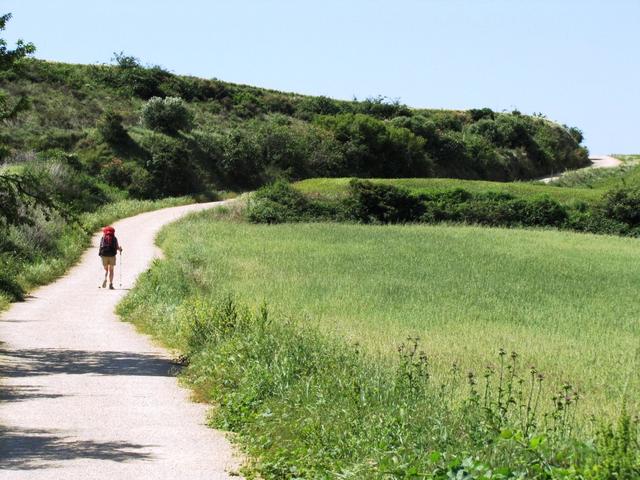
(120, 268)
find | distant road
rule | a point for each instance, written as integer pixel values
(604, 161)
(84, 396)
(597, 161)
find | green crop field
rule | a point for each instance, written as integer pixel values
(336, 187)
(566, 302)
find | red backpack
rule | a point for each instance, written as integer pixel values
(108, 244)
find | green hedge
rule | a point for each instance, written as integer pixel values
(368, 202)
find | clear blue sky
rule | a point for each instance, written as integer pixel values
(576, 61)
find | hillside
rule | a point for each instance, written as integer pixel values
(229, 136)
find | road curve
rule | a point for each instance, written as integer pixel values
(604, 161)
(597, 161)
(84, 396)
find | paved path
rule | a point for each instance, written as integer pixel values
(83, 396)
(597, 161)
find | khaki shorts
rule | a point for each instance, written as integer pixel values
(108, 261)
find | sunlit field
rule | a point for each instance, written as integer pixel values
(566, 302)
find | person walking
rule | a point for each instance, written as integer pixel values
(109, 248)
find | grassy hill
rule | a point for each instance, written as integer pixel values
(239, 137)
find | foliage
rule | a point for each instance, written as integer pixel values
(623, 205)
(377, 203)
(374, 148)
(132, 78)
(9, 57)
(261, 135)
(111, 129)
(169, 166)
(166, 115)
(279, 203)
(19, 194)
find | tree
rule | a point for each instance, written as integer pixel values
(9, 109)
(9, 57)
(18, 193)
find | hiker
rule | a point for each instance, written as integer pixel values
(109, 248)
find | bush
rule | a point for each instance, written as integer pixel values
(374, 148)
(8, 272)
(378, 203)
(116, 172)
(294, 149)
(493, 209)
(280, 203)
(171, 172)
(623, 205)
(166, 115)
(241, 163)
(110, 128)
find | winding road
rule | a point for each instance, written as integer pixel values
(84, 396)
(597, 161)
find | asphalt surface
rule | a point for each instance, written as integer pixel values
(84, 396)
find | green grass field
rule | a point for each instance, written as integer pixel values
(337, 187)
(566, 302)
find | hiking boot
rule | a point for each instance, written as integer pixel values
(111, 286)
(104, 284)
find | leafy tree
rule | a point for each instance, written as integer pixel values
(9, 57)
(169, 165)
(374, 148)
(17, 192)
(10, 108)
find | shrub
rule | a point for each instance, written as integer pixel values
(8, 273)
(241, 164)
(378, 203)
(64, 139)
(623, 205)
(110, 128)
(116, 172)
(308, 107)
(295, 149)
(493, 209)
(169, 166)
(382, 107)
(166, 115)
(129, 76)
(374, 148)
(280, 202)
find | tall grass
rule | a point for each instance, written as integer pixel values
(565, 300)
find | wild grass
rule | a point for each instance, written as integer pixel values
(566, 301)
(337, 187)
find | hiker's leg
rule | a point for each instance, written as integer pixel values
(111, 267)
(106, 272)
